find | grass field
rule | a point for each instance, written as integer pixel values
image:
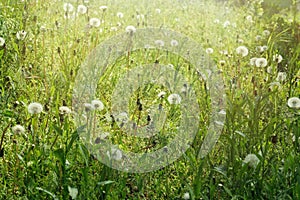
(211, 90)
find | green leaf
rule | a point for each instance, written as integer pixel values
(105, 182)
(46, 191)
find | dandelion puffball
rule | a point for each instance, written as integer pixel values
(18, 129)
(94, 22)
(68, 7)
(130, 29)
(98, 105)
(242, 50)
(35, 108)
(261, 62)
(82, 9)
(252, 160)
(21, 35)
(64, 110)
(174, 99)
(294, 102)
(2, 42)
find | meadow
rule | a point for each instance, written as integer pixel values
(204, 94)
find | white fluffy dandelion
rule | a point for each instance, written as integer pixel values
(120, 15)
(294, 102)
(261, 62)
(18, 129)
(68, 7)
(98, 105)
(281, 76)
(2, 42)
(186, 196)
(252, 160)
(174, 43)
(103, 8)
(252, 61)
(242, 50)
(249, 18)
(174, 99)
(88, 107)
(35, 108)
(94, 22)
(159, 43)
(64, 110)
(277, 58)
(21, 35)
(209, 50)
(130, 29)
(226, 24)
(266, 33)
(81, 9)
(161, 94)
(157, 10)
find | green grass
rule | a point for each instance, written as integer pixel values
(50, 160)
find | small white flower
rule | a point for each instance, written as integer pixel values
(242, 50)
(35, 108)
(209, 50)
(186, 196)
(159, 43)
(120, 15)
(157, 10)
(21, 35)
(98, 105)
(174, 99)
(270, 70)
(277, 58)
(2, 42)
(240, 40)
(222, 62)
(94, 22)
(88, 107)
(64, 110)
(68, 7)
(259, 49)
(224, 52)
(82, 9)
(252, 160)
(18, 129)
(281, 76)
(266, 32)
(252, 61)
(261, 62)
(265, 48)
(103, 8)
(174, 43)
(161, 94)
(113, 28)
(130, 29)
(73, 192)
(294, 102)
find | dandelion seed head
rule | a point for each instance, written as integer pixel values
(130, 29)
(174, 99)
(35, 108)
(252, 61)
(2, 42)
(159, 43)
(209, 50)
(174, 43)
(120, 15)
(98, 105)
(294, 102)
(261, 62)
(277, 58)
(242, 50)
(21, 35)
(88, 107)
(68, 7)
(81, 9)
(157, 10)
(266, 33)
(103, 8)
(186, 196)
(94, 22)
(161, 94)
(18, 129)
(64, 110)
(252, 160)
(281, 76)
